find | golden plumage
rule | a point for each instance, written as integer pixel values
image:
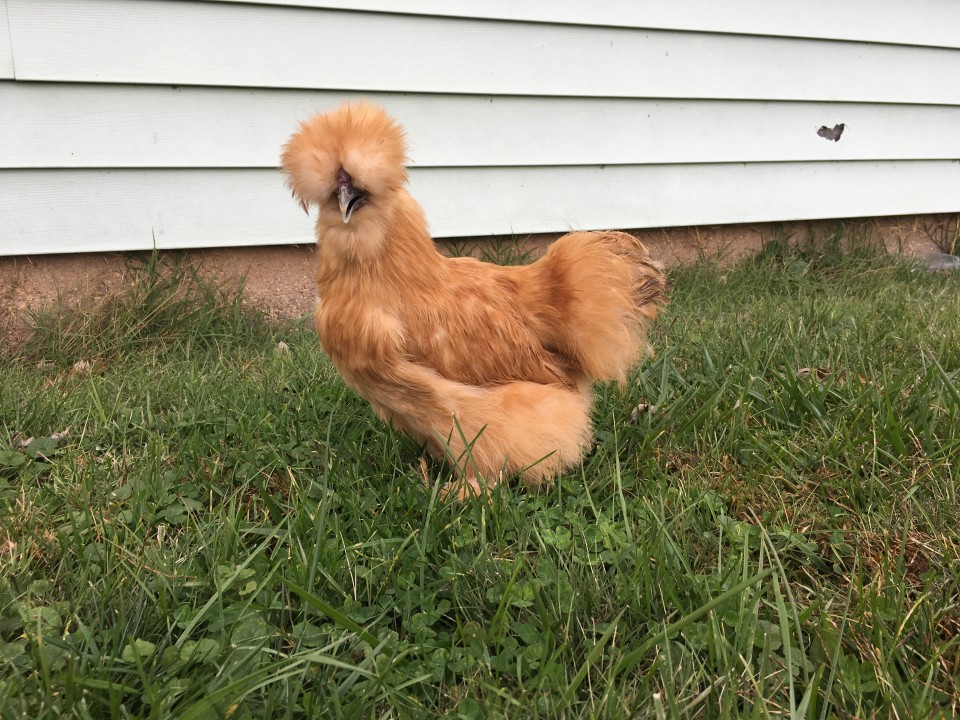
(490, 367)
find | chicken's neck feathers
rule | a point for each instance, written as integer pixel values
(397, 252)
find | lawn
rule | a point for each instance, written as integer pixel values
(207, 523)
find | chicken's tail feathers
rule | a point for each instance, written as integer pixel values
(649, 290)
(605, 290)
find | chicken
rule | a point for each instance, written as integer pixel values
(489, 367)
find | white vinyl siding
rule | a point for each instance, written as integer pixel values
(240, 45)
(125, 123)
(73, 125)
(133, 209)
(6, 54)
(920, 22)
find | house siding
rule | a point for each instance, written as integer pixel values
(129, 124)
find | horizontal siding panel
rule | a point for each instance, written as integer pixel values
(6, 54)
(82, 125)
(87, 210)
(887, 21)
(203, 43)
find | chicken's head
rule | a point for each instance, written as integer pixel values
(346, 159)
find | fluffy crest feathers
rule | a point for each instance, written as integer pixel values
(359, 137)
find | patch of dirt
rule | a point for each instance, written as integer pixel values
(279, 280)
(276, 280)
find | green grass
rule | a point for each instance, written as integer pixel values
(228, 531)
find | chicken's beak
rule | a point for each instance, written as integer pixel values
(348, 199)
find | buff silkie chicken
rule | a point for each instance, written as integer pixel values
(489, 367)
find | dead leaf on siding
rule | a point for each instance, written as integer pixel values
(833, 133)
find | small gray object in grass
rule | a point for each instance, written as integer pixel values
(939, 262)
(833, 133)
(56, 437)
(642, 409)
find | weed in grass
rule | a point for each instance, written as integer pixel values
(501, 250)
(165, 297)
(227, 530)
(944, 232)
